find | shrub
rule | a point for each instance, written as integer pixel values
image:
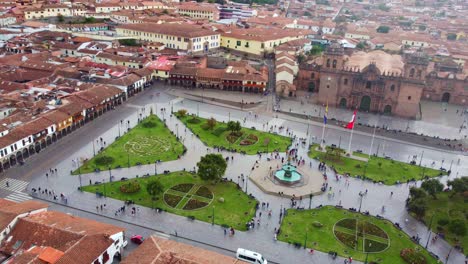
(317, 224)
(149, 124)
(104, 160)
(130, 187)
(194, 120)
(457, 227)
(443, 221)
(181, 113)
(218, 131)
(412, 256)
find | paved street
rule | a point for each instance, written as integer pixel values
(80, 145)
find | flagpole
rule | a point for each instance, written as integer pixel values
(372, 141)
(323, 134)
(350, 139)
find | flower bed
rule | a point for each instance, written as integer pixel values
(172, 200)
(104, 160)
(347, 223)
(193, 204)
(249, 140)
(372, 229)
(130, 187)
(412, 256)
(185, 187)
(233, 137)
(204, 192)
(374, 246)
(347, 239)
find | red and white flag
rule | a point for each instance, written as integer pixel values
(350, 125)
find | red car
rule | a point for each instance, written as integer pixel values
(137, 239)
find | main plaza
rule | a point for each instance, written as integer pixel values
(334, 208)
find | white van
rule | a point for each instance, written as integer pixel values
(250, 256)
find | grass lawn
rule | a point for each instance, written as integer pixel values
(450, 208)
(236, 210)
(297, 223)
(147, 142)
(254, 140)
(379, 169)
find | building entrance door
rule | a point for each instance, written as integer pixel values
(365, 103)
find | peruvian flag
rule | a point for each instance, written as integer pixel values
(350, 125)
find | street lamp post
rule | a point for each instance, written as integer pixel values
(305, 241)
(177, 130)
(448, 255)
(155, 171)
(213, 216)
(128, 159)
(310, 200)
(360, 201)
(429, 231)
(104, 184)
(238, 179)
(94, 149)
(246, 183)
(110, 174)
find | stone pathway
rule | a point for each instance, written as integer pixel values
(260, 239)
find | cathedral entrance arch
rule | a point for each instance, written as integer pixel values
(446, 97)
(387, 110)
(343, 103)
(365, 103)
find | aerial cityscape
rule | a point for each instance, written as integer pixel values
(217, 131)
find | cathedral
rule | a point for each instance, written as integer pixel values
(380, 82)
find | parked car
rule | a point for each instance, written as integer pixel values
(137, 239)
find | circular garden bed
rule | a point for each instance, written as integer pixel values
(249, 140)
(188, 196)
(361, 235)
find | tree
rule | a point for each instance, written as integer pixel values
(211, 123)
(383, 29)
(416, 193)
(89, 20)
(60, 18)
(457, 227)
(300, 58)
(361, 45)
(181, 112)
(234, 126)
(384, 7)
(212, 167)
(418, 207)
(316, 50)
(458, 185)
(432, 187)
(154, 188)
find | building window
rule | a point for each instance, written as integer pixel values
(411, 73)
(409, 98)
(345, 81)
(328, 63)
(312, 76)
(392, 88)
(368, 84)
(334, 64)
(238, 43)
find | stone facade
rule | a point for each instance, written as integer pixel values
(379, 82)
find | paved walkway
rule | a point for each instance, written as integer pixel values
(440, 120)
(261, 239)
